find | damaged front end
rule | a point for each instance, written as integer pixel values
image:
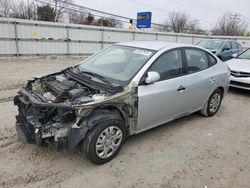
(58, 108)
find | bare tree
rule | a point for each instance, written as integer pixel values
(229, 24)
(59, 8)
(193, 27)
(115, 23)
(160, 27)
(108, 22)
(81, 18)
(177, 21)
(77, 18)
(5, 7)
(23, 9)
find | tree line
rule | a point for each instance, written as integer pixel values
(227, 25)
(58, 12)
(178, 22)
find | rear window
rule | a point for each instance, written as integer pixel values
(212, 60)
(196, 60)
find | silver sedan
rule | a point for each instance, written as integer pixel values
(123, 90)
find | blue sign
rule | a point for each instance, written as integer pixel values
(144, 19)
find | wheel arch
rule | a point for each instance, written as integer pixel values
(108, 111)
(94, 118)
(221, 89)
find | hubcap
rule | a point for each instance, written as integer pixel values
(215, 102)
(108, 142)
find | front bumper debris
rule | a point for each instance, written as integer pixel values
(42, 123)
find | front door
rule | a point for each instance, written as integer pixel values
(227, 51)
(163, 100)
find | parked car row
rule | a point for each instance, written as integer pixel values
(237, 60)
(223, 49)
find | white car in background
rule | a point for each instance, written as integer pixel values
(240, 70)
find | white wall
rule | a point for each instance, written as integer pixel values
(33, 38)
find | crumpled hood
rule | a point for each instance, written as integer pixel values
(242, 65)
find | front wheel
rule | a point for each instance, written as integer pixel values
(104, 141)
(213, 104)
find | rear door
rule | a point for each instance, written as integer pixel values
(199, 81)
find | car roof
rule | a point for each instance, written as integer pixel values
(223, 40)
(154, 45)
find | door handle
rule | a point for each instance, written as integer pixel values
(211, 80)
(181, 89)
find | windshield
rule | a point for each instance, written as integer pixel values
(117, 63)
(245, 55)
(211, 44)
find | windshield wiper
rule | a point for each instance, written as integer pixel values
(102, 78)
(73, 74)
(79, 70)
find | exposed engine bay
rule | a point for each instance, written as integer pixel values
(45, 106)
(60, 89)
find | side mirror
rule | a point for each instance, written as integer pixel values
(235, 55)
(152, 77)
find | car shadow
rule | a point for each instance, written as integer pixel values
(169, 127)
(78, 159)
(239, 91)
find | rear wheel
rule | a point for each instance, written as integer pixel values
(104, 141)
(213, 104)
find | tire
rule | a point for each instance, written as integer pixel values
(213, 104)
(102, 138)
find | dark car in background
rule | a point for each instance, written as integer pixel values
(224, 49)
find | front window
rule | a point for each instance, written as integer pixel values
(227, 46)
(211, 44)
(245, 55)
(117, 63)
(168, 65)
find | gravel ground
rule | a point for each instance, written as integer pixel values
(190, 152)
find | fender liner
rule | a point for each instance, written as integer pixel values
(77, 134)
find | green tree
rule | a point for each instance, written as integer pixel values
(45, 13)
(89, 20)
